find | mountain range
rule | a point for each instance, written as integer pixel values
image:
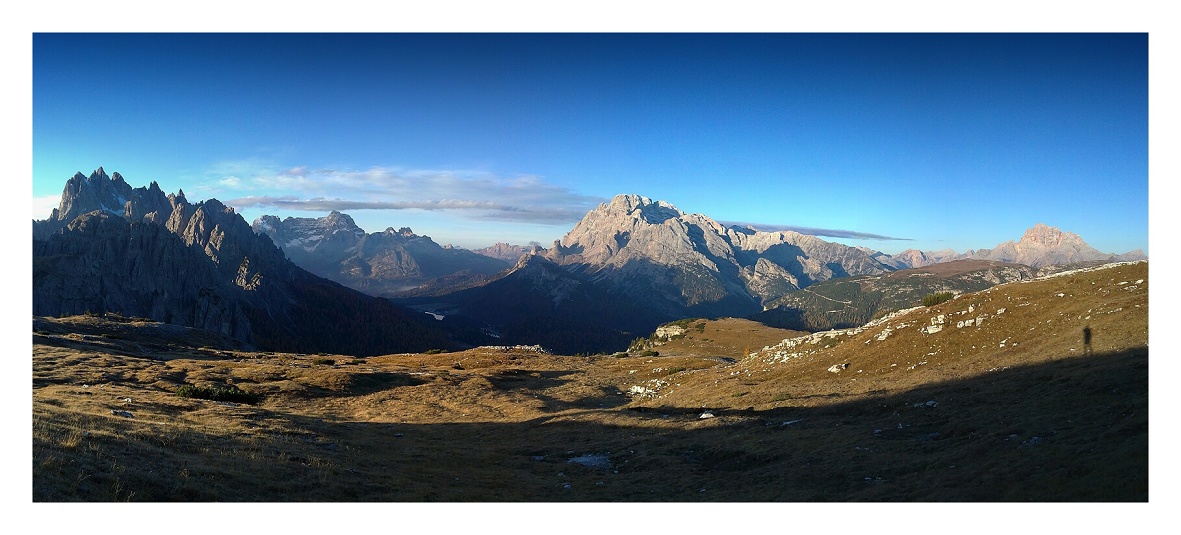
(1040, 246)
(387, 263)
(627, 266)
(661, 264)
(141, 253)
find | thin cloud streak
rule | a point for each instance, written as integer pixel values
(43, 206)
(812, 231)
(481, 210)
(473, 195)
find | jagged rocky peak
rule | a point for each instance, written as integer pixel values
(1047, 236)
(404, 232)
(642, 207)
(111, 194)
(338, 221)
(83, 194)
(527, 260)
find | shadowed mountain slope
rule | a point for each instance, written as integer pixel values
(200, 265)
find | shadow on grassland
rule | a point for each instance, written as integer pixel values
(1074, 429)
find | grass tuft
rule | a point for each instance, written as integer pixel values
(228, 393)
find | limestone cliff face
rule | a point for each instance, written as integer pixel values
(639, 246)
(199, 265)
(385, 263)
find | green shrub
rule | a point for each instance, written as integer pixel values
(227, 393)
(650, 353)
(936, 298)
(433, 351)
(328, 362)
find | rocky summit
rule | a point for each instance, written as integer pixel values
(689, 263)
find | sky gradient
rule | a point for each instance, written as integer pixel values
(890, 141)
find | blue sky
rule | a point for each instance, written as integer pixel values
(935, 140)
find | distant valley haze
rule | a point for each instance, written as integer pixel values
(884, 141)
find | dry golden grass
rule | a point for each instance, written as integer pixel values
(725, 337)
(1035, 420)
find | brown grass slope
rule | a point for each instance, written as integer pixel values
(946, 416)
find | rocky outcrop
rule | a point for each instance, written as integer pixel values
(200, 265)
(388, 263)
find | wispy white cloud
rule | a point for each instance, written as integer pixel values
(812, 231)
(473, 195)
(230, 182)
(482, 210)
(44, 205)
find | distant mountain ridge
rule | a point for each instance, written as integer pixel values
(1040, 246)
(388, 263)
(135, 251)
(507, 252)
